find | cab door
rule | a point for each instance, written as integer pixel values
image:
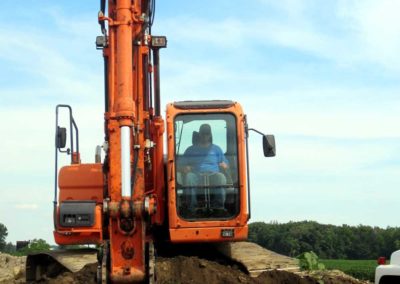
(206, 172)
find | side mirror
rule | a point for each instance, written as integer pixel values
(269, 146)
(61, 137)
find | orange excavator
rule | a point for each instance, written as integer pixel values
(139, 195)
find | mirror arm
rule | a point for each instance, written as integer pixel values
(255, 130)
(76, 133)
(68, 151)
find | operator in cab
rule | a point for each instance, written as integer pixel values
(203, 163)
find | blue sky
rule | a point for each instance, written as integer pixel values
(320, 75)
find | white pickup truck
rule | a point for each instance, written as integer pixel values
(388, 273)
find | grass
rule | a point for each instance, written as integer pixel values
(360, 269)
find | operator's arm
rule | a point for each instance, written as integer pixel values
(222, 161)
(223, 165)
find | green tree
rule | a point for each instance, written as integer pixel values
(3, 235)
(9, 248)
(35, 245)
(39, 245)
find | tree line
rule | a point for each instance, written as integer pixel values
(31, 246)
(293, 239)
(327, 241)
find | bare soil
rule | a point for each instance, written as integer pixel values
(181, 269)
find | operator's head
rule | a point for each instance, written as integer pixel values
(205, 133)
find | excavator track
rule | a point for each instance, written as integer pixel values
(256, 259)
(251, 257)
(151, 263)
(102, 276)
(52, 263)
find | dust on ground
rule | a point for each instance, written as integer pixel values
(181, 269)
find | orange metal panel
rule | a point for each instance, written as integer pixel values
(195, 235)
(81, 182)
(158, 174)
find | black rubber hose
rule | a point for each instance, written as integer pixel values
(103, 6)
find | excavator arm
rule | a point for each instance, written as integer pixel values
(116, 204)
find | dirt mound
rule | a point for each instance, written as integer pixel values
(194, 270)
(12, 269)
(181, 269)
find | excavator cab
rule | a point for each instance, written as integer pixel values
(208, 171)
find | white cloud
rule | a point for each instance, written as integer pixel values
(53, 64)
(352, 33)
(377, 26)
(29, 147)
(229, 33)
(357, 125)
(26, 206)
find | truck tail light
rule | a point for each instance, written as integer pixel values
(381, 260)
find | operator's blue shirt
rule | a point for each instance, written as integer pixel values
(204, 159)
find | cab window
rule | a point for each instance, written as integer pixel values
(206, 166)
